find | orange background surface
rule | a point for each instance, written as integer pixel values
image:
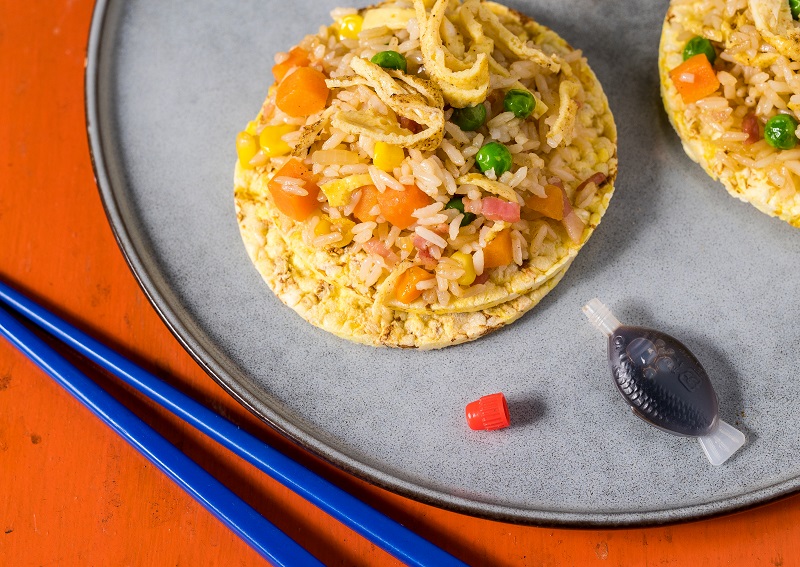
(73, 493)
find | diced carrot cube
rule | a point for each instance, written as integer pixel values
(498, 252)
(303, 92)
(551, 206)
(397, 206)
(297, 207)
(367, 202)
(405, 290)
(298, 57)
(695, 78)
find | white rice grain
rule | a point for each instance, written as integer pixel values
(538, 239)
(500, 120)
(518, 177)
(286, 180)
(327, 239)
(453, 153)
(431, 236)
(357, 169)
(427, 211)
(432, 220)
(294, 190)
(368, 226)
(363, 237)
(351, 206)
(337, 137)
(382, 179)
(477, 261)
(391, 238)
(516, 246)
(456, 133)
(455, 226)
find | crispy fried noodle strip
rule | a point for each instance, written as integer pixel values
(310, 133)
(489, 185)
(507, 41)
(462, 73)
(464, 78)
(563, 128)
(414, 98)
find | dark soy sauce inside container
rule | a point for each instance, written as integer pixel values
(663, 381)
(665, 384)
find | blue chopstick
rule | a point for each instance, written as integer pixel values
(384, 532)
(258, 532)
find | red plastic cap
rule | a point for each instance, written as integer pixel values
(488, 413)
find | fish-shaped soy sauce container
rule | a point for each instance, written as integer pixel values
(665, 384)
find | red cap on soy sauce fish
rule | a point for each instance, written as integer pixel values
(488, 413)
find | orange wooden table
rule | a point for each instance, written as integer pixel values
(73, 493)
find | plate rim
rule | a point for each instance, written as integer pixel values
(134, 250)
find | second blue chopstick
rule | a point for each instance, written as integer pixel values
(384, 532)
(258, 532)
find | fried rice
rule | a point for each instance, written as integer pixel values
(458, 55)
(759, 78)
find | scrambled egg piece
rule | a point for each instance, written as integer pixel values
(773, 19)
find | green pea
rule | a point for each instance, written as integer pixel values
(794, 6)
(471, 118)
(493, 156)
(520, 102)
(457, 203)
(698, 45)
(390, 60)
(779, 132)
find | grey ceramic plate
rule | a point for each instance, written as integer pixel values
(169, 84)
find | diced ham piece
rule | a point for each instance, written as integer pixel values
(441, 229)
(409, 124)
(483, 278)
(420, 243)
(423, 252)
(751, 128)
(472, 206)
(597, 179)
(498, 209)
(375, 246)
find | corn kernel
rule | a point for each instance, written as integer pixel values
(388, 156)
(345, 228)
(252, 127)
(327, 225)
(469, 269)
(405, 244)
(246, 148)
(350, 26)
(270, 140)
(322, 227)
